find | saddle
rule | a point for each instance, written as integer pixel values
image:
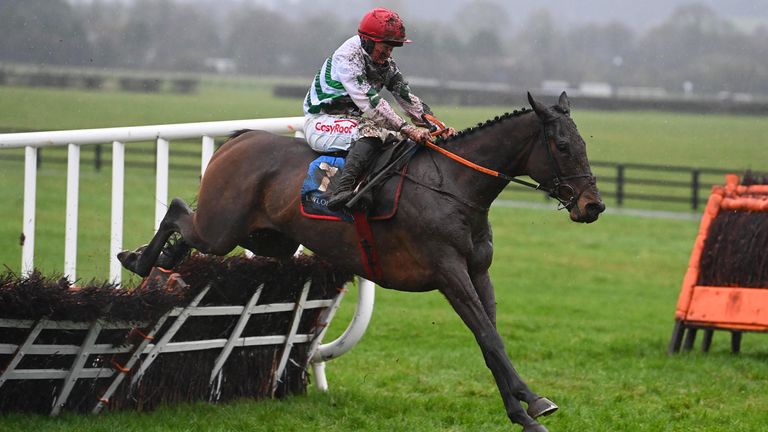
(377, 196)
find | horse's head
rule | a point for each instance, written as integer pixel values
(559, 162)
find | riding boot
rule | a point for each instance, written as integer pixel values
(359, 156)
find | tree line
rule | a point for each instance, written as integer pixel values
(693, 47)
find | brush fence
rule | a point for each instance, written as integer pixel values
(726, 284)
(240, 327)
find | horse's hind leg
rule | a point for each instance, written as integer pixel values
(143, 259)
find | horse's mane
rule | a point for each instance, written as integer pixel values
(489, 122)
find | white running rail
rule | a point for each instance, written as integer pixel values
(73, 139)
(163, 135)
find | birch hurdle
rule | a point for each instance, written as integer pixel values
(726, 284)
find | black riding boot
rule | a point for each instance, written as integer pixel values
(357, 160)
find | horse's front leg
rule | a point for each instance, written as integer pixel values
(479, 262)
(482, 283)
(462, 295)
(537, 406)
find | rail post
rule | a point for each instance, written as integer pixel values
(97, 157)
(619, 184)
(695, 185)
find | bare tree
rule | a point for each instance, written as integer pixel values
(42, 31)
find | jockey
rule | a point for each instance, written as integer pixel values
(343, 110)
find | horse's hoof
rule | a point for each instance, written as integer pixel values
(541, 407)
(129, 259)
(536, 427)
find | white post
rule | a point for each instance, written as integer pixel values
(356, 328)
(116, 231)
(70, 233)
(161, 186)
(321, 381)
(30, 192)
(207, 153)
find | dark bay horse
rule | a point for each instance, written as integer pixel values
(440, 238)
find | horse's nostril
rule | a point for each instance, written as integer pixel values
(595, 208)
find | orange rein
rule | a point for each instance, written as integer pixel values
(440, 127)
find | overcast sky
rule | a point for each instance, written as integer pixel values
(639, 14)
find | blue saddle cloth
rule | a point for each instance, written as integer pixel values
(314, 198)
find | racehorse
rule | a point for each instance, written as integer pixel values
(439, 239)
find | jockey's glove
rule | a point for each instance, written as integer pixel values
(420, 135)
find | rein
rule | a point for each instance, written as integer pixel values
(439, 127)
(482, 169)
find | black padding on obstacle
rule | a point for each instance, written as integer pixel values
(734, 251)
(39, 297)
(754, 178)
(173, 377)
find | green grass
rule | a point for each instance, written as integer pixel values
(586, 311)
(715, 141)
(54, 109)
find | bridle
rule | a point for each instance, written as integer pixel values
(562, 191)
(559, 184)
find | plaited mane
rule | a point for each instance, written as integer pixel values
(487, 123)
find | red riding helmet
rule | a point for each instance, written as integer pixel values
(383, 25)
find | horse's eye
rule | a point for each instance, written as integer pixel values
(563, 146)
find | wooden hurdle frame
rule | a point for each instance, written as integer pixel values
(158, 340)
(729, 308)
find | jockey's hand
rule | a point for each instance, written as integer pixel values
(447, 133)
(420, 135)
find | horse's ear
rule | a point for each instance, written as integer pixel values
(538, 108)
(564, 103)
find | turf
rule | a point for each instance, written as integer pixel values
(586, 311)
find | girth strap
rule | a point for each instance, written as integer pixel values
(368, 253)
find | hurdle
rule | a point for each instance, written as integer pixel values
(27, 331)
(216, 329)
(726, 284)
